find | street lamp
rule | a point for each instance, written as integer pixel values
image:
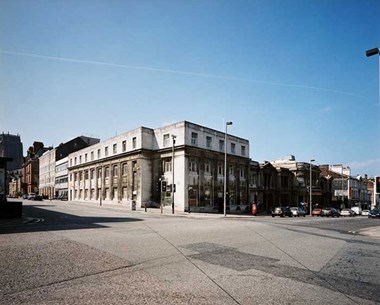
(225, 169)
(173, 185)
(310, 190)
(375, 51)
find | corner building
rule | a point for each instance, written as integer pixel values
(132, 166)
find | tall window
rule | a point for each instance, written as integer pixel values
(243, 150)
(220, 169)
(166, 140)
(92, 156)
(99, 153)
(221, 145)
(107, 172)
(192, 165)
(207, 167)
(124, 145)
(233, 148)
(194, 139)
(80, 159)
(106, 151)
(134, 143)
(114, 148)
(114, 170)
(208, 142)
(167, 165)
(125, 169)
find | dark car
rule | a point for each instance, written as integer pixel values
(282, 212)
(37, 198)
(330, 212)
(374, 214)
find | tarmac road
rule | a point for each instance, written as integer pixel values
(64, 253)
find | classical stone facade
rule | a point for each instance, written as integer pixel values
(131, 167)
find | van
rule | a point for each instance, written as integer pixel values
(357, 210)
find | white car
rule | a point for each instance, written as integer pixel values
(365, 212)
(357, 210)
(298, 212)
(347, 212)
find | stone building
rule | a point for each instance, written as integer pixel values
(11, 147)
(133, 166)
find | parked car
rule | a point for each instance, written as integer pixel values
(365, 212)
(374, 213)
(357, 210)
(31, 196)
(347, 212)
(37, 198)
(281, 211)
(298, 211)
(316, 212)
(330, 212)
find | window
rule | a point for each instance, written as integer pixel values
(167, 165)
(99, 153)
(106, 151)
(220, 169)
(243, 150)
(207, 167)
(242, 172)
(134, 143)
(92, 174)
(80, 176)
(208, 142)
(124, 146)
(114, 148)
(107, 172)
(114, 171)
(231, 171)
(124, 169)
(85, 157)
(233, 148)
(71, 162)
(75, 161)
(192, 165)
(221, 145)
(194, 139)
(80, 159)
(99, 173)
(85, 175)
(166, 140)
(92, 156)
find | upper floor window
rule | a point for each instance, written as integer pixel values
(194, 138)
(220, 168)
(221, 145)
(233, 150)
(207, 167)
(114, 148)
(106, 151)
(80, 159)
(85, 157)
(134, 143)
(99, 153)
(114, 170)
(92, 156)
(107, 171)
(75, 161)
(124, 146)
(208, 142)
(166, 139)
(243, 150)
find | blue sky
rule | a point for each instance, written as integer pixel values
(291, 75)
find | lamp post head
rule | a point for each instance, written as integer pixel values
(312, 160)
(372, 52)
(229, 123)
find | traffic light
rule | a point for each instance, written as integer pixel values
(377, 186)
(163, 186)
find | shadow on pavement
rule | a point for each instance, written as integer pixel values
(36, 219)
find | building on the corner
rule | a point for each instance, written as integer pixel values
(137, 166)
(11, 147)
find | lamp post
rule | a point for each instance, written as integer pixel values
(173, 185)
(225, 169)
(375, 51)
(310, 189)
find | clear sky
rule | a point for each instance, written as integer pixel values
(292, 75)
